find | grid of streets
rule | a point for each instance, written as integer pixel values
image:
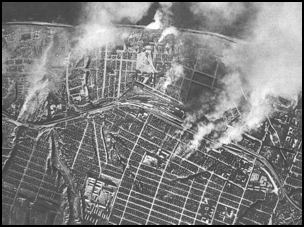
(125, 158)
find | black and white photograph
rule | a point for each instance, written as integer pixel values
(151, 113)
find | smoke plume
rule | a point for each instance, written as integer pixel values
(268, 65)
(99, 19)
(172, 75)
(168, 31)
(157, 24)
(39, 85)
(203, 130)
(163, 20)
(162, 17)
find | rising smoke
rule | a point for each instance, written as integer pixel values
(271, 61)
(157, 23)
(168, 31)
(268, 65)
(39, 85)
(175, 72)
(99, 19)
(97, 26)
(163, 16)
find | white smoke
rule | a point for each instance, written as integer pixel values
(189, 120)
(176, 70)
(97, 31)
(39, 85)
(268, 65)
(271, 61)
(229, 97)
(203, 130)
(168, 31)
(100, 19)
(157, 24)
(218, 11)
(217, 15)
(162, 16)
(172, 75)
(95, 36)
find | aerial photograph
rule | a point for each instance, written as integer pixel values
(151, 113)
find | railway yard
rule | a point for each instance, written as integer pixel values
(108, 146)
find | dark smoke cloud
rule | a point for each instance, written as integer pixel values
(230, 18)
(59, 12)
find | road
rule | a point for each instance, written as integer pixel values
(273, 172)
(166, 116)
